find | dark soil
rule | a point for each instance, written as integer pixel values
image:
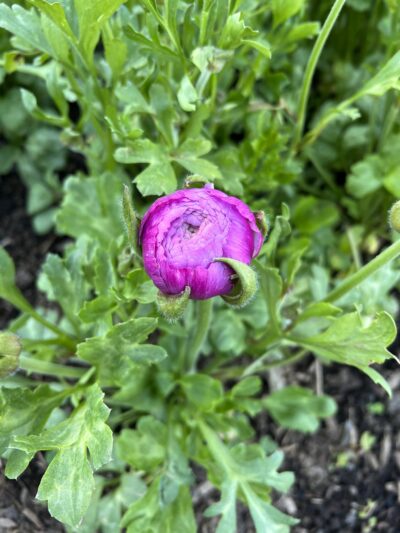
(341, 485)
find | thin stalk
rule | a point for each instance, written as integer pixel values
(367, 270)
(30, 364)
(311, 65)
(62, 337)
(203, 319)
(354, 249)
(257, 367)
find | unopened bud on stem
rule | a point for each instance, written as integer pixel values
(10, 349)
(394, 217)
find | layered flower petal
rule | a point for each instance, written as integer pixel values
(183, 233)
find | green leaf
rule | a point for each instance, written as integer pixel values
(25, 25)
(280, 230)
(23, 411)
(366, 176)
(240, 468)
(202, 390)
(307, 30)
(247, 387)
(157, 179)
(116, 353)
(187, 95)
(145, 447)
(351, 342)
(67, 485)
(97, 309)
(226, 507)
(8, 289)
(188, 156)
(234, 31)
(68, 482)
(146, 514)
(377, 378)
(92, 16)
(387, 78)
(262, 47)
(319, 309)
(90, 206)
(141, 151)
(299, 408)
(228, 333)
(30, 104)
(284, 9)
(138, 286)
(147, 354)
(311, 214)
(63, 285)
(155, 47)
(209, 58)
(265, 516)
(271, 286)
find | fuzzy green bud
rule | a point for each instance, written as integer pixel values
(10, 349)
(394, 217)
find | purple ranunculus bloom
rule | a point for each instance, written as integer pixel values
(183, 233)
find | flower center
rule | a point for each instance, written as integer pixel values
(190, 228)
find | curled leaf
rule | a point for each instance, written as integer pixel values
(245, 283)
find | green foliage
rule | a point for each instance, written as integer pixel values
(107, 105)
(298, 408)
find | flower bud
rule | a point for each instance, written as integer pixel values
(187, 235)
(10, 349)
(394, 217)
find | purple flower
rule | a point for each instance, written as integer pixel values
(183, 233)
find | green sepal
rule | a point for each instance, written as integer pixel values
(131, 221)
(171, 306)
(262, 222)
(245, 283)
(10, 349)
(195, 180)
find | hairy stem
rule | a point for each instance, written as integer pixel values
(203, 319)
(311, 65)
(367, 270)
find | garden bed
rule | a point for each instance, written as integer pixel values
(341, 485)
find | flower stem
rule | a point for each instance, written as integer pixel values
(30, 364)
(311, 65)
(63, 339)
(367, 270)
(203, 319)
